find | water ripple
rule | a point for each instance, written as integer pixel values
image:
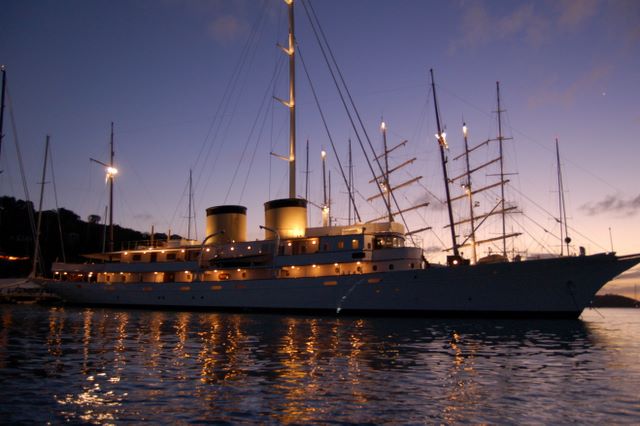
(102, 366)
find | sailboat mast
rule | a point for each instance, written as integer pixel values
(189, 209)
(469, 192)
(306, 180)
(292, 104)
(442, 142)
(564, 231)
(500, 140)
(350, 189)
(111, 191)
(4, 83)
(104, 230)
(387, 186)
(36, 252)
(325, 201)
(559, 199)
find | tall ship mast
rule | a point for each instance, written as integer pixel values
(442, 145)
(4, 83)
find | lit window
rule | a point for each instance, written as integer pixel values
(355, 244)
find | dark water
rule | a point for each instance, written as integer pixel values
(74, 365)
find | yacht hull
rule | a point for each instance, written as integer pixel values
(559, 287)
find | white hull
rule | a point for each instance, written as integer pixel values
(560, 287)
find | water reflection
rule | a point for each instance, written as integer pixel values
(102, 366)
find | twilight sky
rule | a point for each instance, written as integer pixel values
(190, 85)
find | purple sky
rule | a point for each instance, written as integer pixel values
(161, 71)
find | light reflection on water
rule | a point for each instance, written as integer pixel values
(113, 366)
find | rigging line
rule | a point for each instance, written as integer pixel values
(130, 167)
(180, 201)
(255, 150)
(253, 129)
(535, 203)
(223, 106)
(25, 186)
(348, 93)
(544, 146)
(542, 245)
(230, 120)
(353, 106)
(428, 191)
(326, 127)
(442, 245)
(55, 196)
(229, 88)
(344, 85)
(344, 103)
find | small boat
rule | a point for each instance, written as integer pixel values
(359, 269)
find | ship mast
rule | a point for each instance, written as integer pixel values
(500, 140)
(326, 221)
(387, 185)
(292, 104)
(469, 190)
(564, 231)
(36, 251)
(350, 185)
(189, 208)
(4, 83)
(111, 172)
(443, 143)
(306, 181)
